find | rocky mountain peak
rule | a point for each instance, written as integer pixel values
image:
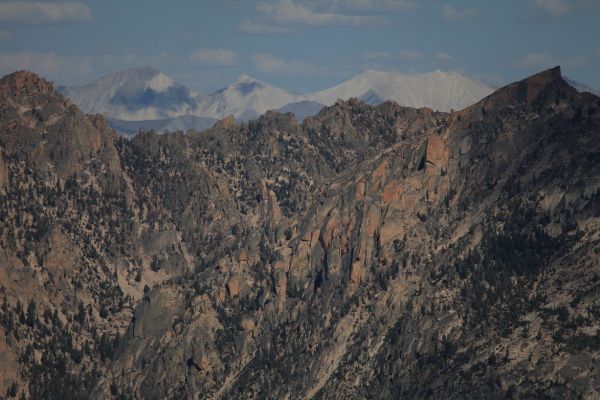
(27, 89)
(243, 78)
(545, 86)
(25, 83)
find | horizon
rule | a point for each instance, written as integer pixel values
(300, 45)
(243, 76)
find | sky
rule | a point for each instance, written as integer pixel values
(300, 45)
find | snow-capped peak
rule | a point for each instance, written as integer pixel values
(245, 98)
(134, 94)
(139, 94)
(246, 79)
(437, 90)
(160, 83)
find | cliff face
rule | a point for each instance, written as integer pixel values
(371, 252)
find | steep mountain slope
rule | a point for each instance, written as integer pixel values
(437, 268)
(245, 99)
(437, 90)
(302, 109)
(134, 95)
(181, 123)
(582, 88)
(370, 252)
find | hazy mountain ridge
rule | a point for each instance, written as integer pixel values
(137, 95)
(582, 88)
(443, 91)
(369, 252)
(144, 95)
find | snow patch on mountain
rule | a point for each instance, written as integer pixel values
(438, 90)
(160, 83)
(580, 87)
(134, 94)
(245, 99)
(143, 94)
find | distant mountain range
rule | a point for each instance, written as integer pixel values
(442, 91)
(582, 88)
(145, 99)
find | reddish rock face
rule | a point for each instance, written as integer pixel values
(331, 229)
(436, 150)
(391, 192)
(233, 286)
(247, 324)
(381, 250)
(359, 193)
(280, 284)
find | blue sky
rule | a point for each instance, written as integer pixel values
(300, 45)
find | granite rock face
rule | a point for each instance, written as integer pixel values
(370, 252)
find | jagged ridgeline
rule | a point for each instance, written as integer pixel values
(370, 252)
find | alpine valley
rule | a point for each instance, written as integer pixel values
(445, 244)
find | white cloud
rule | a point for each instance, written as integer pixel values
(48, 65)
(543, 60)
(403, 55)
(288, 12)
(373, 5)
(450, 13)
(38, 11)
(213, 57)
(443, 56)
(66, 69)
(410, 56)
(253, 28)
(271, 64)
(376, 55)
(553, 7)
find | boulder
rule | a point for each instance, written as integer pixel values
(356, 272)
(378, 176)
(226, 123)
(233, 286)
(436, 155)
(243, 257)
(435, 149)
(372, 220)
(330, 229)
(279, 265)
(280, 283)
(391, 192)
(390, 230)
(247, 324)
(359, 191)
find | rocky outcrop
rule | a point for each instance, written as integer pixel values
(375, 252)
(234, 286)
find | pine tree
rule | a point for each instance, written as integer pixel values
(31, 314)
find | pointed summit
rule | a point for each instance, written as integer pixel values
(436, 90)
(543, 86)
(25, 82)
(134, 94)
(243, 78)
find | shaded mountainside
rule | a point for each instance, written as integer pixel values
(369, 252)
